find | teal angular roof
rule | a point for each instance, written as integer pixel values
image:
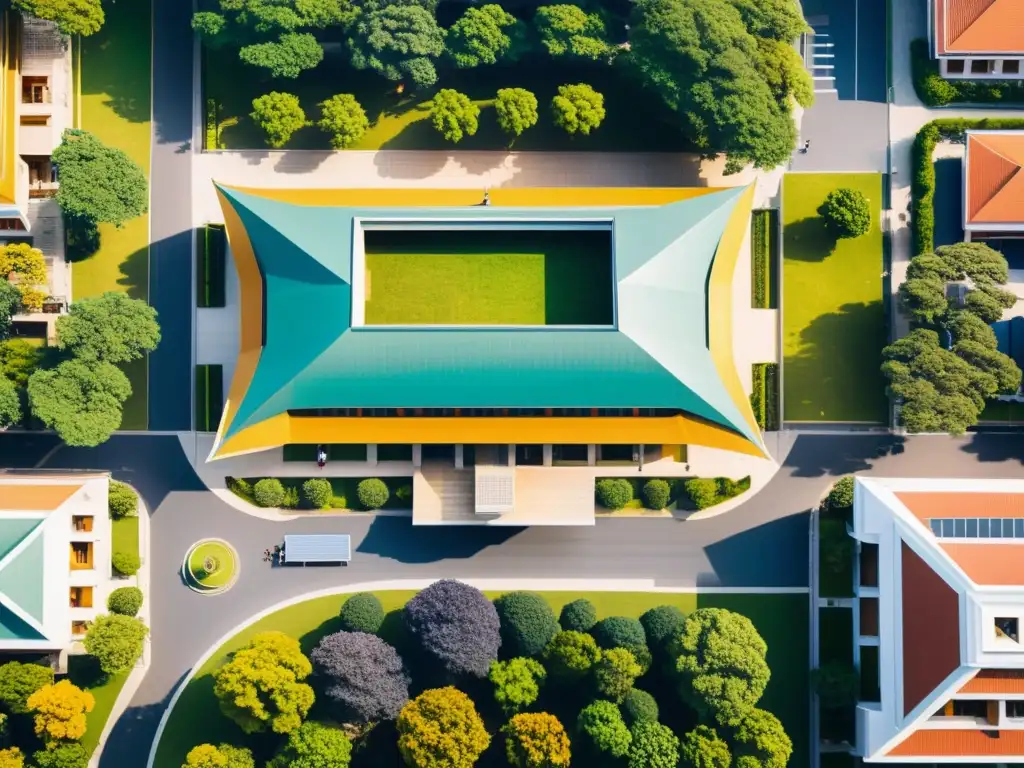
(656, 355)
(22, 578)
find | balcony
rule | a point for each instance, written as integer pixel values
(81, 556)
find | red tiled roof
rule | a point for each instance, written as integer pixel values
(961, 743)
(995, 183)
(979, 26)
(929, 504)
(1000, 565)
(931, 629)
(995, 682)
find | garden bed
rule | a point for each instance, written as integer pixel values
(684, 493)
(764, 254)
(344, 491)
(937, 91)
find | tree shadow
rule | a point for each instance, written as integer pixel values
(809, 239)
(116, 62)
(82, 238)
(135, 274)
(994, 448)
(824, 456)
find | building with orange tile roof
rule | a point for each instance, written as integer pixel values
(940, 572)
(977, 39)
(993, 184)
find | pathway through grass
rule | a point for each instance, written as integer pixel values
(833, 318)
(781, 619)
(115, 105)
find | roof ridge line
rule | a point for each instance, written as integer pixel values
(7, 602)
(975, 20)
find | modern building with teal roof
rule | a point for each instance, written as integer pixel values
(356, 329)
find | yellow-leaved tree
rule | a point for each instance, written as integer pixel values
(11, 758)
(536, 740)
(24, 267)
(441, 728)
(60, 710)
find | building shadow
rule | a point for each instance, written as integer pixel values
(132, 735)
(772, 554)
(395, 538)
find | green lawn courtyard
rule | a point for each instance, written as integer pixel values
(84, 672)
(125, 535)
(636, 120)
(456, 277)
(115, 106)
(833, 318)
(781, 619)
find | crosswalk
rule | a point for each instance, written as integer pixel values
(819, 57)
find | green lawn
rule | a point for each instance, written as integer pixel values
(125, 535)
(83, 672)
(781, 620)
(833, 319)
(222, 573)
(458, 278)
(636, 120)
(115, 105)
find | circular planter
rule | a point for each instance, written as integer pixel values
(210, 567)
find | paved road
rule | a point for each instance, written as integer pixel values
(170, 251)
(761, 543)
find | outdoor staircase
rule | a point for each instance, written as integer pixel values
(819, 58)
(443, 493)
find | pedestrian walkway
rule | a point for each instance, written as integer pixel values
(820, 58)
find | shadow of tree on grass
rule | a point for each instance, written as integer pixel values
(809, 240)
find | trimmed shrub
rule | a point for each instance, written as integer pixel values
(841, 495)
(240, 487)
(639, 707)
(760, 254)
(122, 501)
(602, 725)
(846, 212)
(291, 497)
(268, 492)
(362, 674)
(578, 616)
(623, 632)
(126, 563)
(935, 91)
(362, 612)
(527, 623)
(758, 395)
(317, 492)
(570, 655)
(404, 493)
(661, 624)
(613, 493)
(372, 493)
(703, 492)
(771, 396)
(657, 493)
(126, 601)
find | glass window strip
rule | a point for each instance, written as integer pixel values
(977, 528)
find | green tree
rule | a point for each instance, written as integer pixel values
(704, 748)
(73, 755)
(578, 109)
(483, 35)
(343, 118)
(116, 641)
(111, 327)
(782, 67)
(122, 501)
(966, 326)
(98, 183)
(570, 655)
(126, 601)
(536, 740)
(126, 563)
(661, 625)
(701, 59)
(516, 109)
(527, 623)
(840, 495)
(837, 684)
(568, 30)
(29, 270)
(72, 17)
(615, 673)
(453, 115)
(10, 404)
(18, 358)
(223, 756)
(516, 683)
(288, 57)
(440, 728)
(639, 706)
(279, 115)
(653, 745)
(760, 741)
(59, 711)
(613, 492)
(988, 303)
(846, 212)
(81, 401)
(362, 612)
(314, 745)
(924, 298)
(373, 493)
(261, 686)
(720, 658)
(605, 731)
(657, 493)
(19, 681)
(398, 42)
(10, 304)
(578, 616)
(775, 19)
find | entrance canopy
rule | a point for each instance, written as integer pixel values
(317, 548)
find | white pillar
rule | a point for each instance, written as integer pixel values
(511, 454)
(371, 454)
(592, 455)
(548, 454)
(417, 455)
(460, 460)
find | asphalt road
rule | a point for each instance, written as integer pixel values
(170, 203)
(761, 543)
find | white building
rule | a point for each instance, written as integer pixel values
(939, 614)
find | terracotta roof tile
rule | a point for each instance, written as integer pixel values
(931, 629)
(931, 504)
(31, 497)
(967, 743)
(995, 682)
(989, 564)
(991, 195)
(979, 26)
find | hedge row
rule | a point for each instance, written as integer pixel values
(315, 493)
(760, 258)
(936, 91)
(923, 184)
(771, 400)
(703, 492)
(757, 394)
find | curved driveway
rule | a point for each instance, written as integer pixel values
(761, 543)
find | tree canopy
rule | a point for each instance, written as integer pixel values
(923, 295)
(287, 57)
(279, 115)
(71, 754)
(773, 19)
(527, 623)
(704, 62)
(11, 758)
(398, 42)
(28, 266)
(363, 674)
(846, 212)
(456, 625)
(720, 658)
(262, 685)
(222, 756)
(343, 118)
(653, 745)
(578, 109)
(516, 683)
(453, 115)
(441, 728)
(615, 673)
(704, 748)
(570, 655)
(314, 745)
(81, 401)
(760, 737)
(536, 740)
(10, 403)
(568, 30)
(98, 183)
(72, 17)
(111, 327)
(60, 710)
(484, 35)
(605, 730)
(19, 681)
(116, 641)
(516, 110)
(10, 305)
